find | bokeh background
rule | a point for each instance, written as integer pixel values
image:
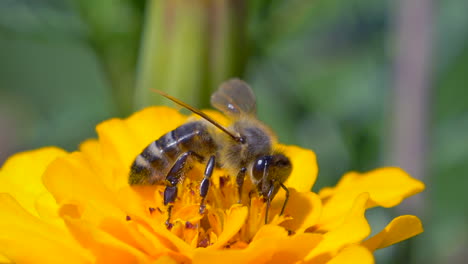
(363, 83)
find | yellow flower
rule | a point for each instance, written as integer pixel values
(58, 207)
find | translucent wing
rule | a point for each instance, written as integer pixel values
(234, 98)
(200, 113)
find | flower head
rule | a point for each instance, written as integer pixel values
(78, 207)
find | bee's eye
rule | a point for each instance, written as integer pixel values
(259, 166)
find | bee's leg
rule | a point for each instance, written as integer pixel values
(286, 199)
(172, 179)
(169, 213)
(268, 200)
(205, 183)
(240, 182)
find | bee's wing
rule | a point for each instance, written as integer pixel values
(234, 98)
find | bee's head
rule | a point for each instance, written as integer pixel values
(270, 172)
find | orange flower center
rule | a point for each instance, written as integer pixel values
(222, 210)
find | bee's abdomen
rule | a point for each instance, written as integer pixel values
(152, 165)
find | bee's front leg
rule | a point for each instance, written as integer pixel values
(205, 183)
(268, 198)
(240, 182)
(172, 179)
(286, 199)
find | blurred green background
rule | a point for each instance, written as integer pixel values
(363, 83)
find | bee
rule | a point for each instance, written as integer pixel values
(245, 148)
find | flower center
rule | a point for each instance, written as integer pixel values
(222, 214)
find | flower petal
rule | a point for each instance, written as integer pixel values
(170, 240)
(23, 232)
(100, 165)
(123, 140)
(387, 187)
(353, 254)
(21, 176)
(136, 201)
(71, 178)
(268, 249)
(303, 207)
(270, 231)
(165, 260)
(236, 217)
(354, 229)
(305, 168)
(399, 229)
(129, 232)
(160, 244)
(105, 247)
(5, 260)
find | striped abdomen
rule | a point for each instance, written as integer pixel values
(152, 165)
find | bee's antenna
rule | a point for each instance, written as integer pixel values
(200, 113)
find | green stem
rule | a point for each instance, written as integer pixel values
(189, 48)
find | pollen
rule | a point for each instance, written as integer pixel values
(205, 229)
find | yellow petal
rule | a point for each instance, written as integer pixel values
(399, 229)
(92, 153)
(47, 209)
(268, 249)
(165, 260)
(270, 231)
(91, 148)
(152, 122)
(105, 247)
(353, 229)
(303, 207)
(123, 140)
(21, 176)
(131, 238)
(71, 178)
(128, 232)
(170, 240)
(4, 260)
(236, 217)
(292, 249)
(177, 255)
(387, 187)
(23, 232)
(353, 254)
(305, 168)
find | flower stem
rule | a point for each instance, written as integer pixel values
(189, 48)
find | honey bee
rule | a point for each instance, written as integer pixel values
(245, 148)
